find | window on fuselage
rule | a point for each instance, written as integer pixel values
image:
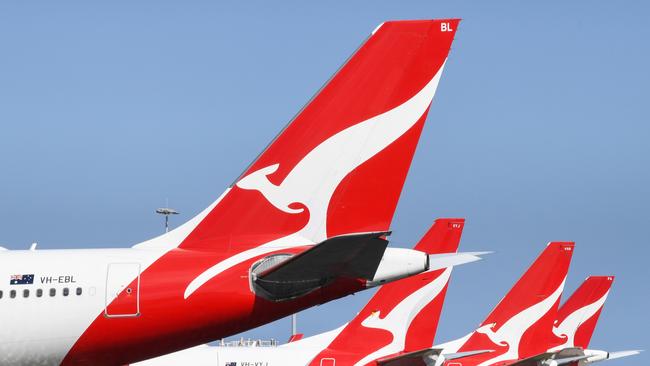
(0, 294)
(12, 294)
(25, 293)
(39, 292)
(66, 291)
(78, 291)
(52, 292)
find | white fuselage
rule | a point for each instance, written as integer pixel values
(42, 320)
(296, 353)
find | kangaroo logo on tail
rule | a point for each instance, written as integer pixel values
(313, 181)
(510, 333)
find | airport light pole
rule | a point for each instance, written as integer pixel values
(166, 211)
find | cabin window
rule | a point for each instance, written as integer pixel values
(66, 291)
(78, 291)
(25, 293)
(39, 292)
(0, 294)
(12, 294)
(52, 292)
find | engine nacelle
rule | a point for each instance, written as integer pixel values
(399, 263)
(595, 355)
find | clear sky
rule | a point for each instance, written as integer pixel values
(539, 131)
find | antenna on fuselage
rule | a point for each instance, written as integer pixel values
(166, 211)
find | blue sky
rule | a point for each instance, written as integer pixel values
(540, 126)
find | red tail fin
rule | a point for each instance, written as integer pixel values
(577, 317)
(520, 325)
(325, 173)
(402, 315)
(442, 237)
(295, 337)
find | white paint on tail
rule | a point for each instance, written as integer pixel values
(398, 321)
(314, 179)
(571, 323)
(510, 333)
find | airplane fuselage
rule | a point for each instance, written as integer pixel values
(74, 306)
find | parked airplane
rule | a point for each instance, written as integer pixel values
(536, 332)
(575, 324)
(304, 224)
(402, 316)
(520, 326)
(402, 334)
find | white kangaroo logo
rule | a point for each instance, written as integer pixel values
(314, 179)
(399, 319)
(510, 333)
(571, 323)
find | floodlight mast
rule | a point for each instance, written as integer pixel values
(166, 211)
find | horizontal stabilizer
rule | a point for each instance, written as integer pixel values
(571, 355)
(438, 261)
(563, 354)
(457, 355)
(412, 358)
(621, 354)
(409, 358)
(354, 256)
(568, 360)
(534, 360)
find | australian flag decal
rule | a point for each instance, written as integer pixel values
(26, 279)
(231, 363)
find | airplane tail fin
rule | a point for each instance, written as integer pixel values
(442, 237)
(339, 166)
(403, 315)
(577, 317)
(295, 337)
(520, 325)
